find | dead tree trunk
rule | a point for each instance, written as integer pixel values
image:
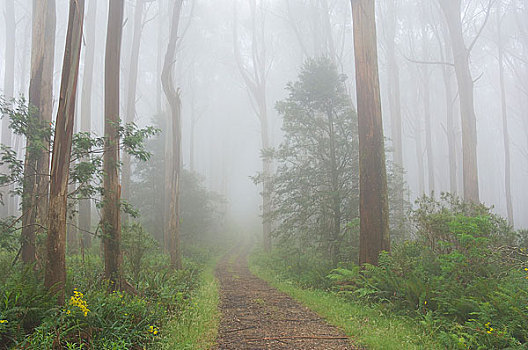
(85, 206)
(9, 90)
(131, 96)
(111, 225)
(451, 10)
(55, 275)
(36, 163)
(373, 208)
(173, 97)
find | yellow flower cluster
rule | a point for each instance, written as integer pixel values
(118, 293)
(77, 300)
(489, 328)
(153, 330)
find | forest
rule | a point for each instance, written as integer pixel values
(263, 174)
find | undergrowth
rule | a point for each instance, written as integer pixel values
(367, 325)
(167, 308)
(461, 283)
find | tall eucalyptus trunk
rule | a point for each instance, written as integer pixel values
(111, 225)
(374, 209)
(36, 162)
(55, 274)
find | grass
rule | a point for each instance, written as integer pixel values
(368, 326)
(196, 328)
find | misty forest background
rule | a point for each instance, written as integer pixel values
(378, 156)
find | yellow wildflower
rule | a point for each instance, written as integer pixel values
(77, 300)
(153, 330)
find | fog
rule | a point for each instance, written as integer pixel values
(279, 35)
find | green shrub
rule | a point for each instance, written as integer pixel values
(136, 243)
(456, 276)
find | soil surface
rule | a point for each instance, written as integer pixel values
(257, 316)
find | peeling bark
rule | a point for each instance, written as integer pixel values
(36, 163)
(55, 274)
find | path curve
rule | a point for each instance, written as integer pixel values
(257, 316)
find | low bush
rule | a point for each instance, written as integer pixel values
(464, 276)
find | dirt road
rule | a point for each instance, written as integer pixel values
(257, 316)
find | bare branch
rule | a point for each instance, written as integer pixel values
(479, 33)
(430, 62)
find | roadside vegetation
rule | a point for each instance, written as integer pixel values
(456, 274)
(460, 283)
(371, 326)
(153, 305)
(165, 308)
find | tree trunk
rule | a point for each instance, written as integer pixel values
(374, 211)
(159, 58)
(191, 144)
(36, 163)
(426, 95)
(256, 84)
(266, 172)
(112, 192)
(395, 101)
(451, 9)
(173, 97)
(131, 96)
(85, 206)
(445, 53)
(450, 130)
(419, 155)
(168, 171)
(505, 132)
(336, 192)
(55, 276)
(9, 89)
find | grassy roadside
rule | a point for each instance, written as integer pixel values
(368, 326)
(196, 328)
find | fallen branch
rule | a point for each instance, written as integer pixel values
(299, 337)
(240, 329)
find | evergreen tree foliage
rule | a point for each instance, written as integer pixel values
(315, 187)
